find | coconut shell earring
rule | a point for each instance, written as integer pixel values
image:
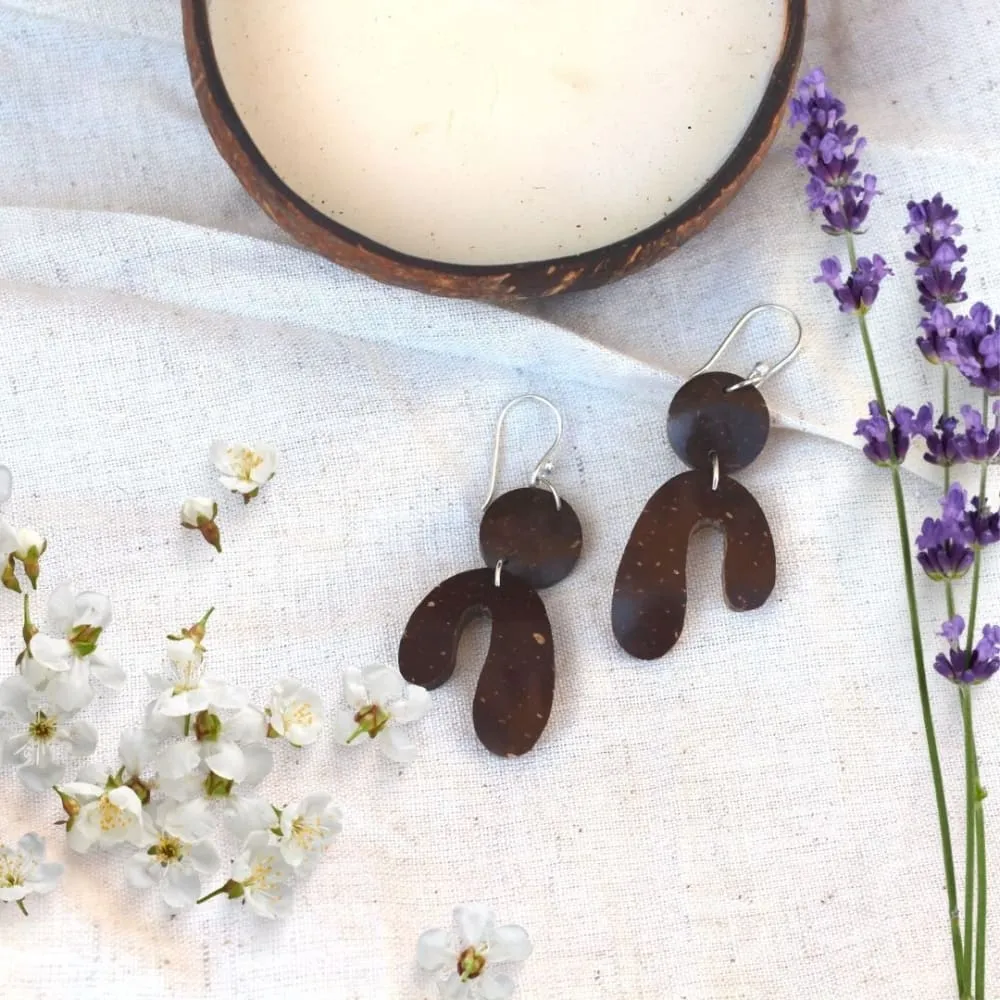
(718, 423)
(530, 539)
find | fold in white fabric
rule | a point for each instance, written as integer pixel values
(751, 816)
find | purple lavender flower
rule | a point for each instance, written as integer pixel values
(858, 294)
(977, 348)
(942, 544)
(935, 224)
(876, 432)
(828, 148)
(975, 667)
(947, 446)
(938, 341)
(981, 443)
(983, 524)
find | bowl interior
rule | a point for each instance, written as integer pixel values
(487, 134)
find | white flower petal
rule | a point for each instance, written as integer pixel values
(495, 985)
(264, 471)
(433, 951)
(53, 654)
(396, 745)
(196, 507)
(183, 651)
(474, 922)
(106, 670)
(344, 727)
(218, 453)
(6, 483)
(40, 777)
(32, 846)
(247, 726)
(383, 683)
(177, 760)
(82, 737)
(355, 692)
(46, 878)
(190, 821)
(412, 707)
(453, 988)
(204, 857)
(12, 749)
(227, 761)
(259, 761)
(92, 609)
(70, 691)
(246, 815)
(141, 871)
(61, 609)
(510, 943)
(19, 698)
(136, 748)
(181, 888)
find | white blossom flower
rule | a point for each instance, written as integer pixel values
(210, 769)
(34, 729)
(103, 817)
(308, 828)
(186, 689)
(199, 513)
(261, 877)
(137, 751)
(65, 666)
(294, 712)
(179, 855)
(470, 952)
(381, 701)
(244, 468)
(25, 872)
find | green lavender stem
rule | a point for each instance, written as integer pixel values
(918, 657)
(975, 852)
(971, 787)
(981, 906)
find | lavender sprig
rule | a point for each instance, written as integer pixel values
(829, 150)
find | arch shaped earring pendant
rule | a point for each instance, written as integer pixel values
(530, 538)
(718, 423)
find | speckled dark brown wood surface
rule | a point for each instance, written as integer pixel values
(517, 684)
(650, 597)
(537, 541)
(500, 282)
(705, 419)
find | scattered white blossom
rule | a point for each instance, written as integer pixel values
(294, 712)
(199, 514)
(25, 872)
(381, 701)
(33, 729)
(469, 953)
(103, 817)
(66, 665)
(308, 828)
(180, 853)
(244, 468)
(185, 690)
(260, 877)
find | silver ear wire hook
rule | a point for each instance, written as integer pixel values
(539, 477)
(761, 371)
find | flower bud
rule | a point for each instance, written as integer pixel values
(30, 548)
(198, 513)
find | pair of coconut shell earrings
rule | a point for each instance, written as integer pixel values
(531, 538)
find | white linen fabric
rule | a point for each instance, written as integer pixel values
(752, 816)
